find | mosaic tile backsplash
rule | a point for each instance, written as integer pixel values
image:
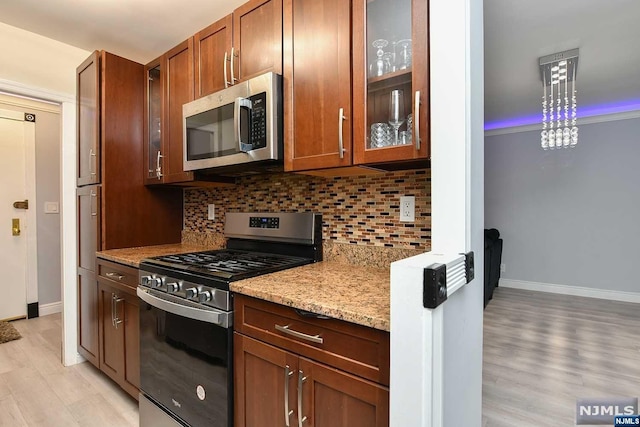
(361, 210)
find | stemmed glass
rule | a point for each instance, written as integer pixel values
(380, 44)
(396, 112)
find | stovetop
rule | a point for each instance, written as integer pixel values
(226, 264)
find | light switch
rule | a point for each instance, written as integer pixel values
(211, 211)
(51, 207)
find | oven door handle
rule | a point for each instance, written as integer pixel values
(217, 317)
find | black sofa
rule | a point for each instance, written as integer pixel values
(492, 261)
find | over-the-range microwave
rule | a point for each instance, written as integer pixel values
(237, 126)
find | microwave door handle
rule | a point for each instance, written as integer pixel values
(243, 146)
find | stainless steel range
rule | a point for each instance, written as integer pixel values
(186, 315)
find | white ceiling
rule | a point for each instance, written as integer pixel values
(517, 33)
(140, 30)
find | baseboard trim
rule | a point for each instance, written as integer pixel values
(52, 308)
(572, 290)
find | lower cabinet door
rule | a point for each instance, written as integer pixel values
(88, 309)
(111, 360)
(264, 384)
(274, 387)
(333, 398)
(129, 310)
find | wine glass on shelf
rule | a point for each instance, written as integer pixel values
(379, 67)
(396, 112)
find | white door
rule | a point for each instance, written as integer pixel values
(14, 231)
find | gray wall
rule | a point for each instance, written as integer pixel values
(568, 217)
(47, 190)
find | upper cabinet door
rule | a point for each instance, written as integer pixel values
(153, 122)
(257, 39)
(317, 84)
(212, 47)
(178, 91)
(391, 87)
(88, 116)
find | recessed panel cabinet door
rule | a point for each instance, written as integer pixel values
(179, 91)
(129, 314)
(257, 38)
(317, 84)
(332, 398)
(265, 378)
(88, 342)
(88, 117)
(212, 47)
(111, 344)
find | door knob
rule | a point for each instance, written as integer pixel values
(24, 204)
(15, 226)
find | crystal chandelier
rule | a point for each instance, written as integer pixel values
(559, 107)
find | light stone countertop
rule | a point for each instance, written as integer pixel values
(354, 293)
(133, 256)
(348, 292)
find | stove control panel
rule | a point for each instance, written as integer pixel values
(194, 292)
(264, 222)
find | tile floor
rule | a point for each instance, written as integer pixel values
(36, 390)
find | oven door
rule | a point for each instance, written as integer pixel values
(186, 358)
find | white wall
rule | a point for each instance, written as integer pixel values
(567, 217)
(37, 61)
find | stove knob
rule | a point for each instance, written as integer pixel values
(191, 293)
(173, 287)
(156, 282)
(144, 280)
(205, 296)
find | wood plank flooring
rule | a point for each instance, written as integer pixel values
(36, 390)
(543, 351)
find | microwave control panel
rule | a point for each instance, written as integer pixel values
(259, 120)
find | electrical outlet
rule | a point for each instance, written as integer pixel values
(407, 208)
(503, 268)
(211, 211)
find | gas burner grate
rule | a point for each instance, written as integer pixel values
(233, 264)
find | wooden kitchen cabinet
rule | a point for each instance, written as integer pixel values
(88, 129)
(317, 84)
(119, 328)
(88, 205)
(403, 26)
(170, 84)
(119, 211)
(341, 381)
(335, 92)
(239, 46)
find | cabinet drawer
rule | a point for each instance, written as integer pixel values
(117, 273)
(352, 348)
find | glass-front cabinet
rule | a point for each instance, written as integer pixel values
(153, 137)
(391, 81)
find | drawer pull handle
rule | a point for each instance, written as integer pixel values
(313, 338)
(114, 275)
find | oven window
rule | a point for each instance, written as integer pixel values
(185, 365)
(210, 134)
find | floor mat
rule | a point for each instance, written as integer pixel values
(8, 332)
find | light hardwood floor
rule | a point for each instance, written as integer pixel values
(543, 351)
(36, 390)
